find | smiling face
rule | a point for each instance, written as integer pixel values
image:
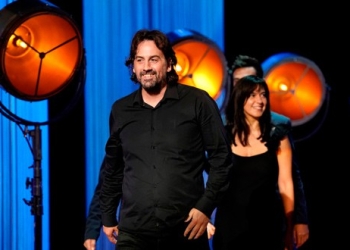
(150, 66)
(255, 104)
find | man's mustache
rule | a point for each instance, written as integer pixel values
(148, 72)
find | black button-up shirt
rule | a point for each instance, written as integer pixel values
(155, 159)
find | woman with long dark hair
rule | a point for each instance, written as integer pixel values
(252, 214)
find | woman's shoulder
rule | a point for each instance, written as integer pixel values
(278, 132)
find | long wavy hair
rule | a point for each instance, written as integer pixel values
(235, 117)
(162, 42)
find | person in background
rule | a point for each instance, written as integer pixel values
(93, 222)
(244, 65)
(252, 214)
(162, 137)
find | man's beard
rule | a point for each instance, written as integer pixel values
(153, 85)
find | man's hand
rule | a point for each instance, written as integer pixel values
(198, 224)
(90, 244)
(301, 234)
(111, 233)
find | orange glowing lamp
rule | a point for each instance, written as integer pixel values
(200, 61)
(40, 49)
(297, 86)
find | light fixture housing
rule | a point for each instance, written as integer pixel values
(41, 49)
(297, 86)
(201, 63)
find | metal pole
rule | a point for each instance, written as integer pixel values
(37, 207)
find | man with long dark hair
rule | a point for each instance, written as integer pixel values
(162, 137)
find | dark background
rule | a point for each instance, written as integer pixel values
(317, 32)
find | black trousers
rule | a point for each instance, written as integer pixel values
(176, 241)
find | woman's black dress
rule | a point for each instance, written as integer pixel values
(251, 214)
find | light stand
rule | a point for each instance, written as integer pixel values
(36, 185)
(41, 54)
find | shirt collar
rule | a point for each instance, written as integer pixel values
(170, 93)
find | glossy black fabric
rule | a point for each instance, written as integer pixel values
(300, 204)
(155, 159)
(251, 214)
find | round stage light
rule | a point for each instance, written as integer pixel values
(201, 63)
(41, 49)
(297, 86)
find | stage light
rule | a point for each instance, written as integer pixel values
(297, 86)
(201, 63)
(41, 54)
(40, 49)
